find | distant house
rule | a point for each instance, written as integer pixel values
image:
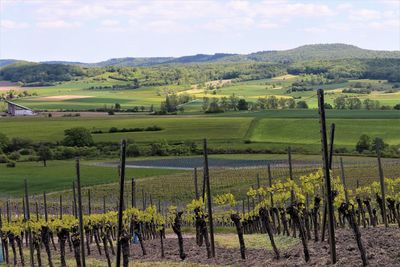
(14, 109)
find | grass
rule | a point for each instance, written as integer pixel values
(256, 241)
(176, 128)
(306, 131)
(58, 175)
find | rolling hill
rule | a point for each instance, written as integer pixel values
(301, 53)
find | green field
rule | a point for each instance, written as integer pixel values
(58, 175)
(272, 129)
(146, 96)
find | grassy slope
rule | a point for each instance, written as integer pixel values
(306, 131)
(175, 128)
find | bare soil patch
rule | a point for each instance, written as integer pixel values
(382, 246)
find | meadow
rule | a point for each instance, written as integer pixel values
(241, 130)
(153, 95)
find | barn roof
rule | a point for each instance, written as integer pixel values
(17, 105)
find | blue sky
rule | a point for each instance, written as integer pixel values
(94, 30)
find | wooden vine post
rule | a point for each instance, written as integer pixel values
(27, 215)
(209, 200)
(74, 208)
(46, 216)
(270, 184)
(332, 138)
(196, 188)
(292, 196)
(80, 211)
(382, 182)
(328, 193)
(343, 177)
(121, 201)
(133, 193)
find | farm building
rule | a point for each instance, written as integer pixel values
(14, 109)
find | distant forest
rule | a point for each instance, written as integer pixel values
(334, 61)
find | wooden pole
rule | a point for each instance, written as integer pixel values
(292, 196)
(196, 189)
(75, 208)
(133, 193)
(346, 194)
(8, 210)
(61, 208)
(46, 217)
(104, 204)
(258, 186)
(81, 230)
(89, 203)
(328, 194)
(270, 184)
(382, 182)
(143, 200)
(209, 198)
(332, 137)
(121, 200)
(28, 216)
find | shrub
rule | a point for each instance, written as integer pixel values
(133, 150)
(11, 164)
(3, 158)
(14, 156)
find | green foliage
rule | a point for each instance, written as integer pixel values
(29, 73)
(302, 104)
(4, 141)
(78, 136)
(364, 143)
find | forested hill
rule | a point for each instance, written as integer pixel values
(321, 52)
(302, 53)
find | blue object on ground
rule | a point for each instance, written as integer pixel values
(135, 239)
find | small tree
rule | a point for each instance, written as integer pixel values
(44, 154)
(78, 136)
(364, 143)
(4, 141)
(378, 142)
(242, 105)
(302, 104)
(117, 106)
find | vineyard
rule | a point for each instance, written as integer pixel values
(279, 213)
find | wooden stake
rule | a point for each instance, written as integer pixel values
(270, 184)
(89, 203)
(75, 208)
(28, 216)
(61, 208)
(382, 182)
(196, 189)
(133, 193)
(328, 193)
(209, 198)
(346, 194)
(81, 230)
(292, 196)
(121, 201)
(45, 207)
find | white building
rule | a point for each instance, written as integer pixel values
(14, 109)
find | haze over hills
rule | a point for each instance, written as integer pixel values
(305, 52)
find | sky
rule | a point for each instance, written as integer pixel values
(95, 30)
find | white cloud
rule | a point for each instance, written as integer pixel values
(57, 24)
(110, 23)
(344, 6)
(12, 25)
(364, 14)
(385, 25)
(314, 30)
